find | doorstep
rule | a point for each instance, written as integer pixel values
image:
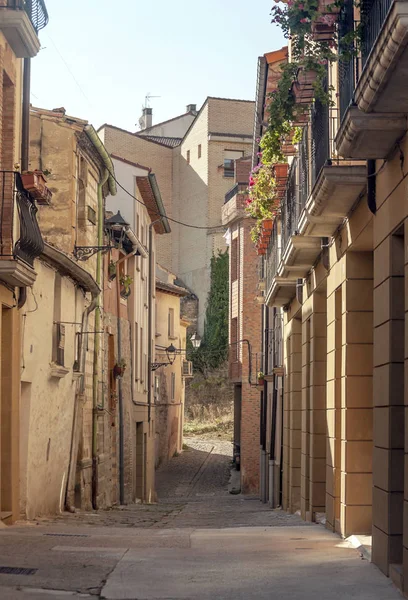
(362, 543)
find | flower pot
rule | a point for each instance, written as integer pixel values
(125, 293)
(112, 276)
(261, 251)
(302, 94)
(306, 78)
(118, 371)
(267, 224)
(261, 381)
(35, 183)
(281, 170)
(328, 6)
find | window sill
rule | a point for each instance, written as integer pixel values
(157, 334)
(173, 337)
(76, 375)
(58, 371)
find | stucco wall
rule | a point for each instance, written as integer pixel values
(47, 402)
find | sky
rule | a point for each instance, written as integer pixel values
(100, 58)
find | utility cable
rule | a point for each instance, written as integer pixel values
(164, 216)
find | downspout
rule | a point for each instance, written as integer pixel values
(272, 450)
(265, 407)
(120, 390)
(371, 186)
(69, 504)
(25, 143)
(108, 175)
(95, 374)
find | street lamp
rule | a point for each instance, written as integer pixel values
(195, 341)
(116, 227)
(171, 353)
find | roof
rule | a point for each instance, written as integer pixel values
(190, 112)
(172, 142)
(129, 162)
(138, 135)
(236, 135)
(170, 288)
(152, 199)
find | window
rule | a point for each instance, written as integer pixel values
(234, 259)
(188, 157)
(141, 355)
(136, 338)
(234, 339)
(171, 323)
(230, 156)
(58, 337)
(199, 150)
(173, 386)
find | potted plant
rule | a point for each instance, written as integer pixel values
(112, 270)
(261, 378)
(126, 281)
(35, 183)
(119, 368)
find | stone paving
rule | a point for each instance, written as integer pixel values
(198, 543)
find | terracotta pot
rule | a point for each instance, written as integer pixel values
(261, 381)
(267, 224)
(118, 371)
(302, 94)
(281, 170)
(261, 251)
(306, 78)
(327, 6)
(35, 183)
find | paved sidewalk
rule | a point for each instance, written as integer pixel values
(197, 543)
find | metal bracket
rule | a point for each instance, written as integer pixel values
(85, 252)
(155, 366)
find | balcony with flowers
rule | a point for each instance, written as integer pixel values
(320, 187)
(373, 38)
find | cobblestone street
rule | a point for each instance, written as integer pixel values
(197, 543)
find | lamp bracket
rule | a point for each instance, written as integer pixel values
(85, 252)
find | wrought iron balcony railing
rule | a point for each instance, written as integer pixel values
(35, 9)
(290, 208)
(30, 244)
(272, 256)
(373, 15)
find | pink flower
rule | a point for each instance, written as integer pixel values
(300, 6)
(305, 20)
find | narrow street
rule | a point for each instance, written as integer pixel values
(198, 543)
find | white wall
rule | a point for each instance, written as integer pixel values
(126, 175)
(174, 128)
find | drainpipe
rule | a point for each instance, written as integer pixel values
(25, 143)
(95, 374)
(371, 186)
(70, 506)
(272, 451)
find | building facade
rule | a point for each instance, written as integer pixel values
(245, 360)
(64, 431)
(21, 240)
(193, 159)
(129, 321)
(335, 268)
(169, 380)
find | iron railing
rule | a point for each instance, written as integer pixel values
(373, 15)
(290, 206)
(30, 243)
(303, 165)
(272, 257)
(275, 343)
(35, 9)
(320, 137)
(238, 188)
(349, 66)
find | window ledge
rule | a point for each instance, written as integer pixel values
(173, 337)
(58, 371)
(76, 375)
(157, 334)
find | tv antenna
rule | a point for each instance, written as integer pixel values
(148, 97)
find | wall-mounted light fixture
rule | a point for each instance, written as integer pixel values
(171, 353)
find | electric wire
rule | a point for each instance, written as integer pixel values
(164, 216)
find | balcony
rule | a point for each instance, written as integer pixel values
(17, 257)
(234, 204)
(20, 22)
(373, 94)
